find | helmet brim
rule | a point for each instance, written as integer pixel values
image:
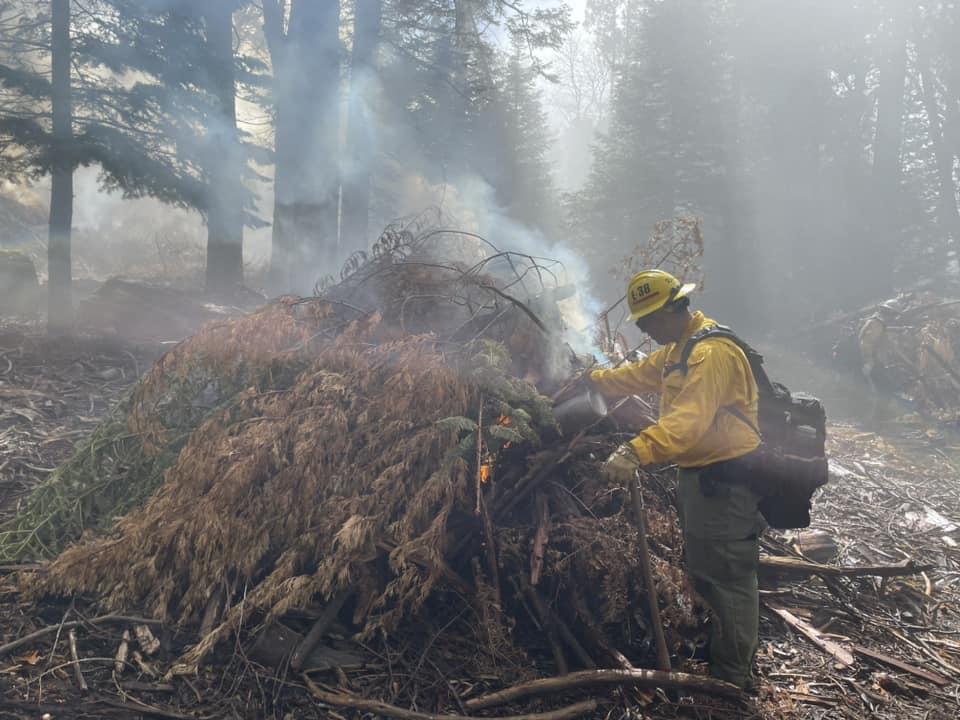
(685, 290)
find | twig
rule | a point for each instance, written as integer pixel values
(490, 539)
(75, 657)
(589, 678)
(540, 539)
(13, 645)
(527, 311)
(479, 457)
(640, 520)
(380, 708)
(141, 708)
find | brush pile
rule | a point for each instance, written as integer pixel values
(912, 343)
(378, 462)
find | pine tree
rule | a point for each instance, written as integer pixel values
(664, 149)
(148, 109)
(528, 188)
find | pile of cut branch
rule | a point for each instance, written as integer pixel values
(378, 462)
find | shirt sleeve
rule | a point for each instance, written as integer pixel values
(711, 370)
(633, 378)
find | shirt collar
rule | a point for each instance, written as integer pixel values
(697, 322)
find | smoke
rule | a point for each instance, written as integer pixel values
(565, 279)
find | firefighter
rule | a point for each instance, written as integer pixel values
(875, 350)
(697, 430)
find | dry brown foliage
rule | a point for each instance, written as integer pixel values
(332, 449)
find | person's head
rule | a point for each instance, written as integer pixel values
(659, 305)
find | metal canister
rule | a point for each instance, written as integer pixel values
(580, 412)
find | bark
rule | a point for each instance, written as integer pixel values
(60, 279)
(306, 63)
(361, 137)
(947, 213)
(225, 210)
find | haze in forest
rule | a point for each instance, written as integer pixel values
(818, 140)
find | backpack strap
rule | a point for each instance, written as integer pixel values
(711, 332)
(743, 418)
(755, 359)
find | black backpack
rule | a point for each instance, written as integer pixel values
(790, 463)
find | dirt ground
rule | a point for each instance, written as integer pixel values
(894, 498)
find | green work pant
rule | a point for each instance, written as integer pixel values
(720, 530)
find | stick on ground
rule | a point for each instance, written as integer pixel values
(842, 655)
(589, 678)
(640, 520)
(803, 567)
(13, 645)
(936, 679)
(381, 708)
(75, 657)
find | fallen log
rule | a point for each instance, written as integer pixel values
(381, 708)
(804, 567)
(589, 678)
(840, 653)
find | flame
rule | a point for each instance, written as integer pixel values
(490, 464)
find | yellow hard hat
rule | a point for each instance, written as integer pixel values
(650, 290)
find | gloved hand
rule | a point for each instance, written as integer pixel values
(621, 467)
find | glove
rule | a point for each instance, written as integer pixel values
(621, 467)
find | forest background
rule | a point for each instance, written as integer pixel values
(265, 142)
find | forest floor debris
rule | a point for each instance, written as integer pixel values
(329, 530)
(53, 394)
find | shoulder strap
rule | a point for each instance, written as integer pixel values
(754, 358)
(737, 413)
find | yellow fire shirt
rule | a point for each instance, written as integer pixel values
(694, 429)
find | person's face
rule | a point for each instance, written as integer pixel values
(659, 325)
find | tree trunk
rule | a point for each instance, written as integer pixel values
(887, 150)
(60, 280)
(361, 149)
(306, 66)
(225, 210)
(948, 216)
